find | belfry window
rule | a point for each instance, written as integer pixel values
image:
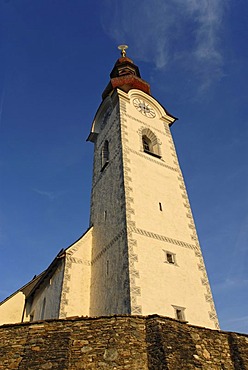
(150, 143)
(146, 144)
(104, 155)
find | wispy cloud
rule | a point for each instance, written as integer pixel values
(239, 255)
(231, 284)
(238, 323)
(242, 319)
(51, 195)
(164, 32)
(143, 25)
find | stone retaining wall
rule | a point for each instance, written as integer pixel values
(120, 342)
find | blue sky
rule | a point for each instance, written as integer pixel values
(55, 60)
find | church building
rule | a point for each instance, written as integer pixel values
(140, 254)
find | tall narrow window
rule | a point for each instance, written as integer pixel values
(105, 155)
(160, 206)
(43, 309)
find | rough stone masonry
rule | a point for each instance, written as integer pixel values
(120, 342)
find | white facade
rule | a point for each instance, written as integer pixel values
(141, 254)
(146, 254)
(11, 310)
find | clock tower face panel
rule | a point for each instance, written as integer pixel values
(144, 107)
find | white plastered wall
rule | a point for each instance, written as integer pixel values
(75, 299)
(165, 285)
(46, 299)
(156, 287)
(12, 309)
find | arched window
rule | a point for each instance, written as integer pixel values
(105, 155)
(150, 143)
(146, 144)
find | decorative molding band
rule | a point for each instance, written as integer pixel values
(78, 261)
(101, 174)
(201, 265)
(65, 290)
(135, 290)
(208, 297)
(167, 130)
(198, 253)
(145, 124)
(149, 158)
(109, 245)
(162, 238)
(213, 316)
(123, 106)
(172, 146)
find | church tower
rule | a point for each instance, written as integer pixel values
(141, 254)
(146, 257)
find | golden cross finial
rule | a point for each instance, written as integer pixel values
(123, 49)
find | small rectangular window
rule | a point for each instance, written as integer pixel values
(170, 257)
(107, 267)
(105, 215)
(160, 207)
(179, 313)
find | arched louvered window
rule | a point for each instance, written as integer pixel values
(146, 144)
(105, 155)
(150, 143)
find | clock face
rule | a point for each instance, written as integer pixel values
(144, 108)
